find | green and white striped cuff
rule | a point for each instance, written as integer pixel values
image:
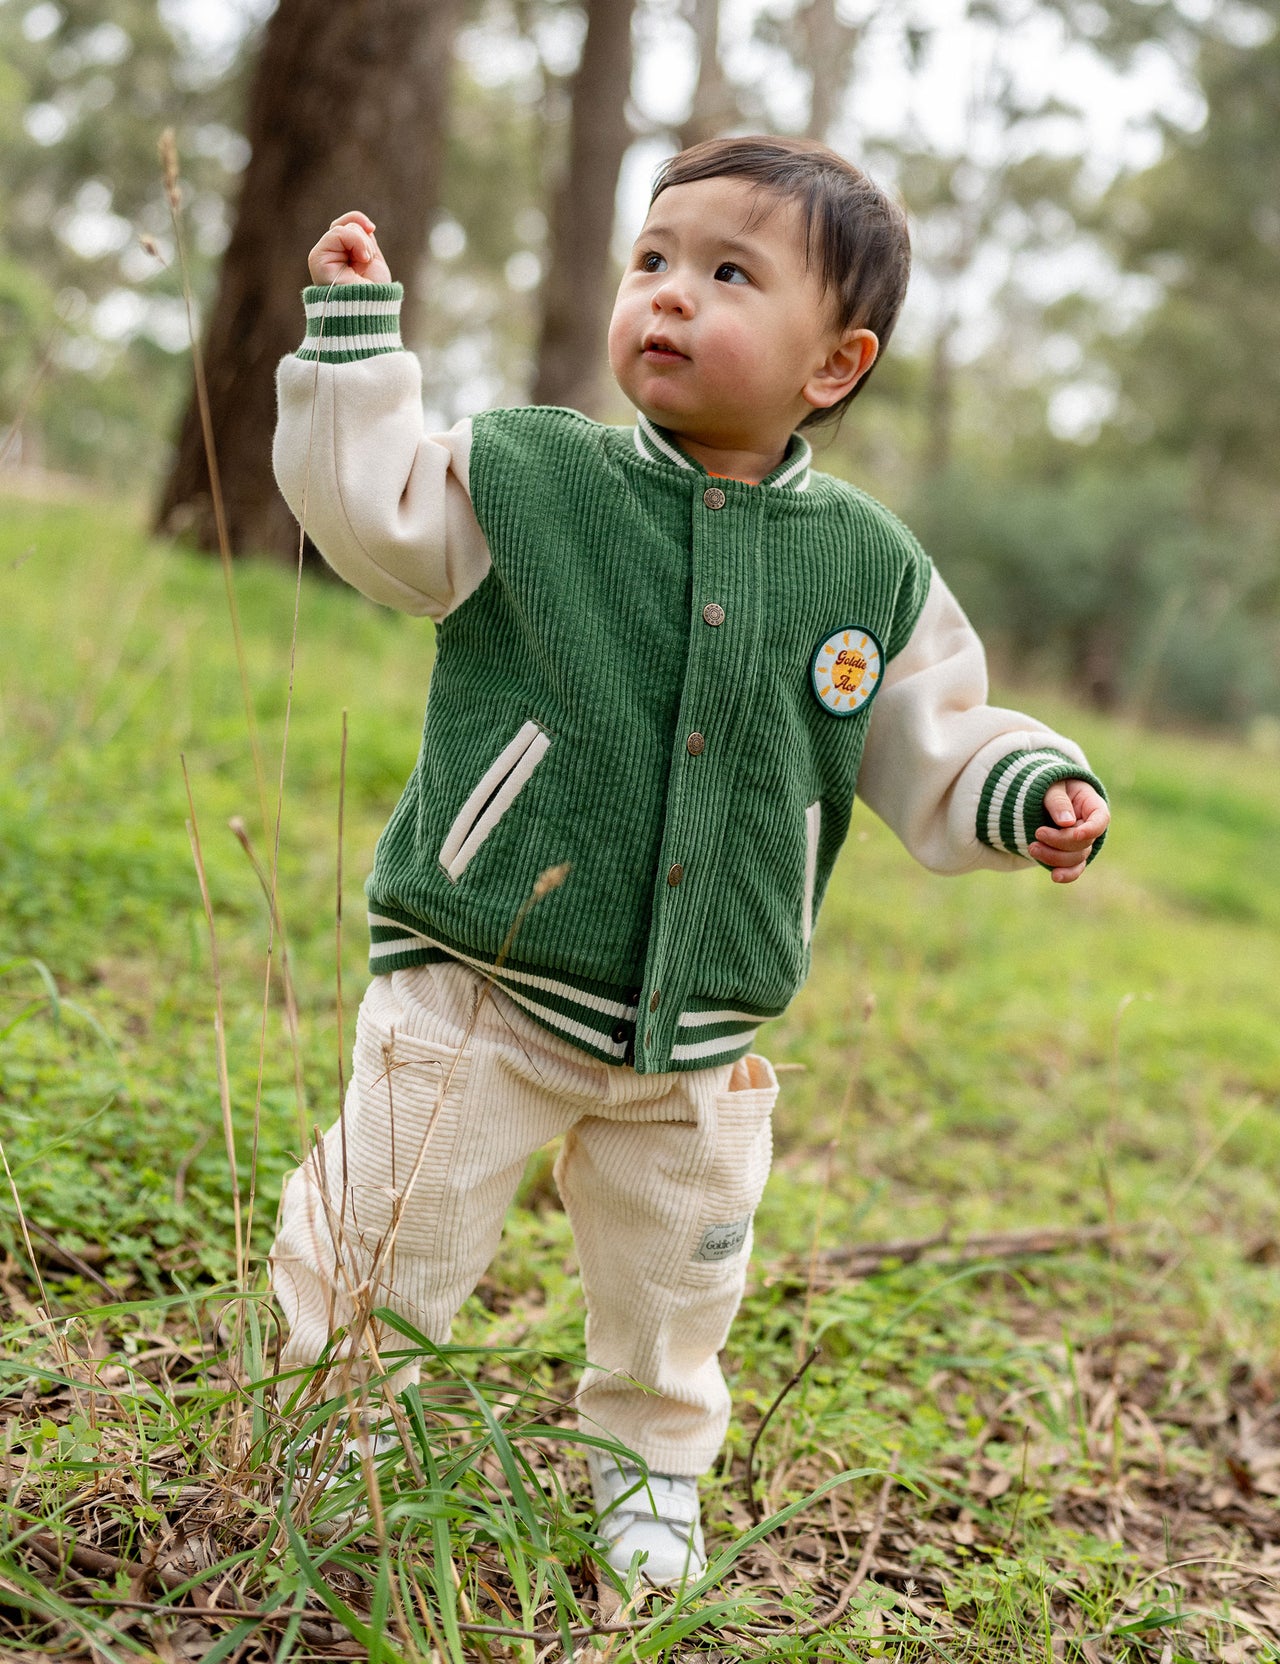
(1011, 807)
(350, 321)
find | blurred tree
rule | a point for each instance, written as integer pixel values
(347, 109)
(85, 86)
(716, 106)
(1198, 378)
(828, 44)
(1201, 375)
(576, 287)
(477, 331)
(476, 320)
(1014, 213)
(819, 42)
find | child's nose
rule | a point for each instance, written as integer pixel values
(673, 297)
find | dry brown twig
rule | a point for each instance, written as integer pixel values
(363, 1342)
(866, 1561)
(219, 1022)
(168, 162)
(173, 193)
(337, 934)
(362, 1347)
(276, 920)
(268, 887)
(168, 148)
(185, 1164)
(82, 1557)
(60, 1254)
(45, 1309)
(543, 1637)
(753, 1502)
(362, 1359)
(361, 1362)
(941, 1247)
(24, 403)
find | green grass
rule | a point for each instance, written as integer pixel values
(1087, 1443)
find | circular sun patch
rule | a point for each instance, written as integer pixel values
(846, 670)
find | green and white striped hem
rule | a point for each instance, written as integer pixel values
(593, 1017)
(1011, 805)
(350, 321)
(714, 1036)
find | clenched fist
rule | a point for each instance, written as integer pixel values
(1079, 817)
(348, 253)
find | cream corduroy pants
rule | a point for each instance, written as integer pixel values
(452, 1090)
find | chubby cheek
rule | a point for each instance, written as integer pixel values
(623, 340)
(733, 361)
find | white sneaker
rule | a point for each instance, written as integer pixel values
(344, 1460)
(656, 1517)
(344, 1457)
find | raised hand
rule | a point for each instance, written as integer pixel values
(348, 253)
(1080, 817)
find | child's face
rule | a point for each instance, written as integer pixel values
(720, 332)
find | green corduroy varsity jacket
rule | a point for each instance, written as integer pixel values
(663, 681)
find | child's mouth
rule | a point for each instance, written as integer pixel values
(659, 351)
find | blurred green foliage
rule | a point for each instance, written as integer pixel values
(1106, 582)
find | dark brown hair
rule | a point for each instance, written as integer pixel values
(854, 233)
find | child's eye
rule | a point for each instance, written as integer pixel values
(652, 263)
(729, 273)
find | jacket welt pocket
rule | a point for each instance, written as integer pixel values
(812, 832)
(502, 783)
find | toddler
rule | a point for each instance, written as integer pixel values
(665, 656)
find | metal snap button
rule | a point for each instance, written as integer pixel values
(621, 1032)
(695, 745)
(655, 999)
(713, 497)
(713, 614)
(675, 874)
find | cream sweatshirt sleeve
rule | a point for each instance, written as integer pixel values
(961, 782)
(387, 504)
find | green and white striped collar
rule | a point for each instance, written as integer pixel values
(655, 444)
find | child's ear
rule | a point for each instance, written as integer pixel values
(842, 370)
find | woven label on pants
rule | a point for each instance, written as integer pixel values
(721, 1242)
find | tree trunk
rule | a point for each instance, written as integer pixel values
(941, 411)
(829, 46)
(347, 110)
(715, 105)
(576, 288)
